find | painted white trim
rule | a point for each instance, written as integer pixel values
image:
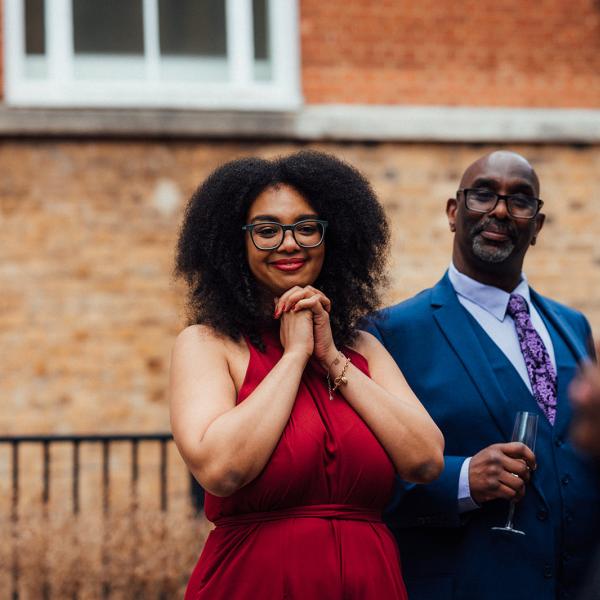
(14, 43)
(167, 95)
(286, 65)
(449, 124)
(59, 42)
(240, 41)
(319, 122)
(239, 92)
(151, 39)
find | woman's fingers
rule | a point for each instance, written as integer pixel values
(325, 301)
(313, 303)
(281, 305)
(294, 295)
(291, 297)
(317, 298)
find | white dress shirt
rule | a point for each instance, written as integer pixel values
(487, 305)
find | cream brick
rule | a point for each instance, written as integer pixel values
(88, 307)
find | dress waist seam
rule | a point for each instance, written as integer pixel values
(317, 511)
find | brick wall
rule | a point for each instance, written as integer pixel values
(474, 52)
(88, 307)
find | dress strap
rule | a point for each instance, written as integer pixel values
(319, 511)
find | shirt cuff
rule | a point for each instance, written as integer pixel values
(465, 502)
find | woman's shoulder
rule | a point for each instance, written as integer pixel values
(365, 346)
(198, 334)
(204, 339)
(200, 346)
(365, 343)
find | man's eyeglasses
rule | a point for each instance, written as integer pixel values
(269, 235)
(519, 206)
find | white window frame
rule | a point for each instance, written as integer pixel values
(240, 92)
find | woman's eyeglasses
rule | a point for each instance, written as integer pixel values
(269, 235)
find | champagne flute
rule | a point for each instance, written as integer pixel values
(525, 431)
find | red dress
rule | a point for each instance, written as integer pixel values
(309, 526)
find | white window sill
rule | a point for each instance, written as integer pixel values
(314, 122)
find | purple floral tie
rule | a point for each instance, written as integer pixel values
(539, 366)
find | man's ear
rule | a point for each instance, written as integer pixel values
(539, 223)
(451, 208)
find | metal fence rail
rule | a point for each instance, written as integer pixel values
(106, 442)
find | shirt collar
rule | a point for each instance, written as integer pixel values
(490, 298)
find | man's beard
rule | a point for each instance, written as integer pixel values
(490, 252)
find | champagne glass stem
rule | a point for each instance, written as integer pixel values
(511, 514)
(524, 430)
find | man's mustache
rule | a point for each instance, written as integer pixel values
(500, 226)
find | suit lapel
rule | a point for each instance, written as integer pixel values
(549, 313)
(568, 351)
(452, 320)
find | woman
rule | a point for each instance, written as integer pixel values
(292, 420)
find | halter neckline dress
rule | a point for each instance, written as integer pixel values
(309, 526)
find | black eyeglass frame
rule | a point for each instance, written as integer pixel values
(250, 228)
(506, 197)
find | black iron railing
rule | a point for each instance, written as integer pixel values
(106, 442)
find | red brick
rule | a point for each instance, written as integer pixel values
(484, 53)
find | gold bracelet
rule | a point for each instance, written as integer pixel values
(335, 361)
(340, 379)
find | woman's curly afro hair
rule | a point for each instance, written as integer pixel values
(211, 252)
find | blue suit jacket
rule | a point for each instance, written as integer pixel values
(473, 393)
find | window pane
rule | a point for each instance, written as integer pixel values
(36, 64)
(192, 28)
(261, 28)
(262, 50)
(108, 27)
(35, 42)
(193, 43)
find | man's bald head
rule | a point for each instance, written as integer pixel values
(503, 163)
(490, 241)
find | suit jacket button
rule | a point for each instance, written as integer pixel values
(565, 480)
(547, 571)
(558, 442)
(542, 515)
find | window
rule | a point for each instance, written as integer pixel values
(219, 54)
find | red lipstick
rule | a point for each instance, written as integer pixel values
(288, 264)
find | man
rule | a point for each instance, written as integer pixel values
(585, 397)
(477, 348)
(585, 430)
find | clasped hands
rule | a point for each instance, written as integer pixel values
(305, 327)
